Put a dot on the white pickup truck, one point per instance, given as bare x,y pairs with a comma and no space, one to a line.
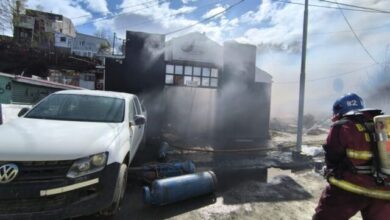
68,155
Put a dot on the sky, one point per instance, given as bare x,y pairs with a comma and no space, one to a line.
336,62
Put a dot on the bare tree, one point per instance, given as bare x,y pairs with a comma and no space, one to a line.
103,33
10,11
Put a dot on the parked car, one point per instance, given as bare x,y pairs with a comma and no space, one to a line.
68,155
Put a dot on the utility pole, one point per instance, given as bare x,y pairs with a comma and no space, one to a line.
386,64
302,79
113,44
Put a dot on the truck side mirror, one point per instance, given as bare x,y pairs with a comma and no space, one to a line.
139,120
23,111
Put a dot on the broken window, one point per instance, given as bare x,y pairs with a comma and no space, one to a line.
214,82
168,79
187,75
196,81
214,72
205,81
179,80
188,80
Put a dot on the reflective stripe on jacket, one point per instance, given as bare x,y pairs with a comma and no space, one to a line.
369,192
348,152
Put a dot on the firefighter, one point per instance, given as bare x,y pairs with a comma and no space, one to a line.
350,160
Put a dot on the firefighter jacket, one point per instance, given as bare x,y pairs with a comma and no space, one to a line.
349,154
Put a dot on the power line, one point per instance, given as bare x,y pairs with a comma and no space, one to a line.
356,36
355,6
206,19
347,31
180,13
330,76
330,7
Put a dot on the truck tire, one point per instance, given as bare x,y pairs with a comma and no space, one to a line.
119,193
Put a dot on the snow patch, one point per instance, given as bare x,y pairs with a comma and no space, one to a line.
312,150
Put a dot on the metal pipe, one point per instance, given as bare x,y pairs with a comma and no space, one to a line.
113,44
302,79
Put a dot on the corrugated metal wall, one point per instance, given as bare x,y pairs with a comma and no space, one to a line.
5,90
29,94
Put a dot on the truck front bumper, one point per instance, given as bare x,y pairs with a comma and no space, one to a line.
59,199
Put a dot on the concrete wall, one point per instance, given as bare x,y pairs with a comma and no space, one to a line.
86,45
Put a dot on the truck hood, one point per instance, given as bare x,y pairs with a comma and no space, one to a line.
27,139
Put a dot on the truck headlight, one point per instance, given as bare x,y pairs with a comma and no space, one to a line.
88,165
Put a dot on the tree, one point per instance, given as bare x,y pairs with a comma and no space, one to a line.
104,48
10,11
103,33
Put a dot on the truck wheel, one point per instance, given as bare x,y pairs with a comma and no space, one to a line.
119,193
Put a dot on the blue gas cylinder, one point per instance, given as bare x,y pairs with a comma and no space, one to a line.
163,170
175,169
170,190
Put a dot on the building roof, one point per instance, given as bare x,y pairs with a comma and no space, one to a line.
262,76
39,82
32,12
194,46
92,36
194,35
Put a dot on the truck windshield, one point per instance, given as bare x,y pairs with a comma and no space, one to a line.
72,107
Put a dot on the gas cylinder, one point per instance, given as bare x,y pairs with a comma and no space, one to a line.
163,170
382,130
151,172
170,190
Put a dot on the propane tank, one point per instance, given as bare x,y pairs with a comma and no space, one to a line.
170,190
382,130
163,170
151,172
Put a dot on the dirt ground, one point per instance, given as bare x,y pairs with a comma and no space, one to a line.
285,196
292,196
247,188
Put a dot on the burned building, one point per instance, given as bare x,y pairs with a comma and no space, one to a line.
195,87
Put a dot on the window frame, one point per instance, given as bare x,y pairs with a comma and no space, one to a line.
203,75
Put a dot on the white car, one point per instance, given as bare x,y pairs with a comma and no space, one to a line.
68,155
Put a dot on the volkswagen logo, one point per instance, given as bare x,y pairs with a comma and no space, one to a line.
8,172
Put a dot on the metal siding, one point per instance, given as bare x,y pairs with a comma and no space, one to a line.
5,90
1,115
29,94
